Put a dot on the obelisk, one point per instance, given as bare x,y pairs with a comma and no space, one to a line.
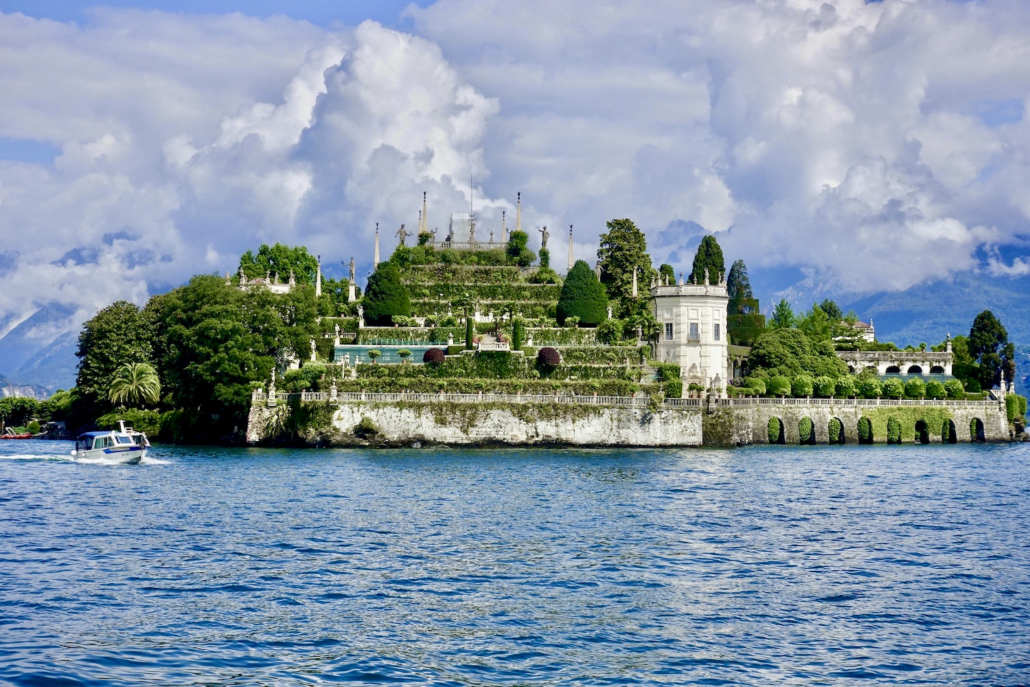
375,256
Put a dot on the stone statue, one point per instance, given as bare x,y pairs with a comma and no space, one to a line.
403,235
313,350
544,235
361,314
293,279
609,312
706,276
352,269
276,278
271,387
597,270
491,236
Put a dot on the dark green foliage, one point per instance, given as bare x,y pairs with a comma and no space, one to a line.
1015,406
548,357
832,310
433,356
544,275
666,272
119,334
893,430
738,286
755,384
948,433
778,386
783,316
386,296
518,250
518,334
624,247
744,322
935,390
801,386
17,411
280,259
825,386
954,389
469,333
545,259
146,421
836,431
217,339
845,387
674,389
869,387
365,429
610,332
806,431
865,431
788,352
893,388
708,256
582,296
775,431
987,339
914,388
922,432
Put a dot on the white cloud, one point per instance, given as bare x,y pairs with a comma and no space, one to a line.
841,137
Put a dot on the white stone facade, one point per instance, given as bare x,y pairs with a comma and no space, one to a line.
692,323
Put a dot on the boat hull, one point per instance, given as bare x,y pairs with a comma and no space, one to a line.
123,455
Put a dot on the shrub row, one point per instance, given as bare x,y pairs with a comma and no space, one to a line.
804,386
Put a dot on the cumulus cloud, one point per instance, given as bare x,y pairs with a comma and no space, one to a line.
870,145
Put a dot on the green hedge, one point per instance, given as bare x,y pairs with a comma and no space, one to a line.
448,292
603,355
806,430
836,430
461,275
563,337
461,385
894,430
1015,406
146,421
500,366
775,430
525,308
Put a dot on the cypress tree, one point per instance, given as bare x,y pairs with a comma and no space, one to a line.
386,296
469,332
737,283
709,255
582,296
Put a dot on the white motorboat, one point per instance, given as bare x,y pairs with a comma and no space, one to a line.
125,446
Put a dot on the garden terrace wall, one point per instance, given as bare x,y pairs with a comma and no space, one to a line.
447,292
463,274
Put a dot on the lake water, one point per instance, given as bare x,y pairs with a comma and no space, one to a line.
759,566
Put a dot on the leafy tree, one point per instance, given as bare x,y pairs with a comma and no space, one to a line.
135,384
935,390
548,357
433,356
280,259
893,430
801,386
373,354
869,387
987,338
845,387
582,296
960,350
783,316
832,310
817,325
825,386
609,332
518,249
404,354
954,389
624,247
708,256
806,430
470,332
545,259
518,334
217,339
778,386
117,335
756,384
788,352
667,272
893,388
914,388
775,431
737,283
386,296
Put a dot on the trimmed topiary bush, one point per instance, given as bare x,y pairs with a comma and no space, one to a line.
801,386
385,296
756,385
914,388
518,334
825,387
935,390
893,388
845,387
433,356
836,431
778,386
582,296
865,431
893,430
775,430
548,357
954,389
870,387
806,430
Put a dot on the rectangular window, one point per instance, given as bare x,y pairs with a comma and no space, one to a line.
716,332
694,335
668,331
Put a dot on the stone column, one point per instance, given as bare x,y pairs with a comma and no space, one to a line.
318,278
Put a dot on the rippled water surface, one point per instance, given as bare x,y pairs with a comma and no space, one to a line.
753,566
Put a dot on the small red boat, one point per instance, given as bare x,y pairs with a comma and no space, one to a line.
9,434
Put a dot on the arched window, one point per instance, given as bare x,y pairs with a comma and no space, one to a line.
915,370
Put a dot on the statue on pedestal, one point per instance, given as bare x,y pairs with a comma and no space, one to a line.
403,235
352,270
313,350
544,235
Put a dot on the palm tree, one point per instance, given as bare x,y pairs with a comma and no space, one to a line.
135,384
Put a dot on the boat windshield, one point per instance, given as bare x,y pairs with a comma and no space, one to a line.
124,440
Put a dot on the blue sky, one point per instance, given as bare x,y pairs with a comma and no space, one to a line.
855,147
